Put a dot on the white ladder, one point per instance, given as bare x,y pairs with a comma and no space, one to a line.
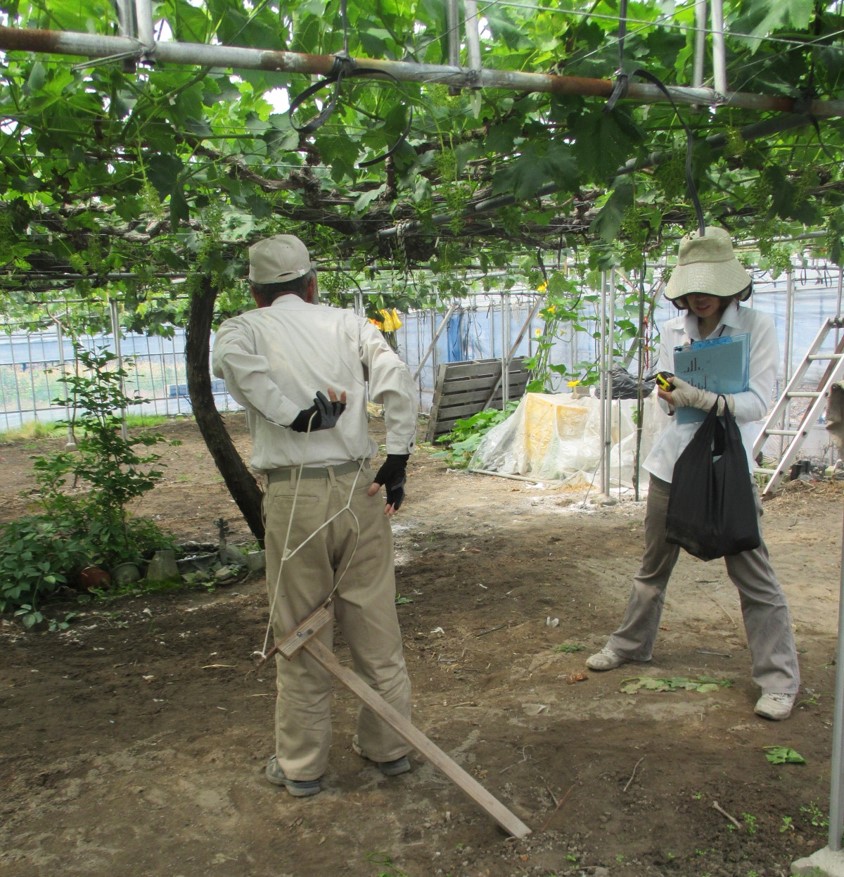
780,411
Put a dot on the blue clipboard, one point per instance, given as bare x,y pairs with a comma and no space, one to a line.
721,365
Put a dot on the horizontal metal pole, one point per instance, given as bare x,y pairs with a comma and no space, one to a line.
199,54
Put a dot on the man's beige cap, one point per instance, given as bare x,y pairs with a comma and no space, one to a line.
278,259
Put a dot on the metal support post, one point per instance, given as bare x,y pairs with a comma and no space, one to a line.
433,344
604,383
118,350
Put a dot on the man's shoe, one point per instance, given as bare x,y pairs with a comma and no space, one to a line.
389,768
775,706
297,788
606,659
395,767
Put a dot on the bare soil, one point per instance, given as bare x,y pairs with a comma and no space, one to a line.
134,741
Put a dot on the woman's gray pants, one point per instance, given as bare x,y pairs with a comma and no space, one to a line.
767,619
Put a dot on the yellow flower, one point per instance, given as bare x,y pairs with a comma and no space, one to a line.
392,322
573,383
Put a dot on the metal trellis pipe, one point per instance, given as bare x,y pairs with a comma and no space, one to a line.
453,33
143,21
200,54
603,383
836,793
433,344
473,42
114,315
505,350
700,43
719,52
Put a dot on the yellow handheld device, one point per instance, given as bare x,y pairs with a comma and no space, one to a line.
663,379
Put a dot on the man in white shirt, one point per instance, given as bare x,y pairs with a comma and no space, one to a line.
301,371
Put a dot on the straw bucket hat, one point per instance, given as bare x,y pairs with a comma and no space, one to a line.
706,263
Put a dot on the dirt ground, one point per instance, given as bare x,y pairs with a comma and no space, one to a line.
134,741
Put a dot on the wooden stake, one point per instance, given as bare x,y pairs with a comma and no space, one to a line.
304,638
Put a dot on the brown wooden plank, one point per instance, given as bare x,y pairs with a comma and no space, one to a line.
483,392
465,385
473,368
456,412
475,397
298,637
487,373
437,401
425,747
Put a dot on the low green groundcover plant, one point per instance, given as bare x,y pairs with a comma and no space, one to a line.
467,432
36,559
674,683
783,755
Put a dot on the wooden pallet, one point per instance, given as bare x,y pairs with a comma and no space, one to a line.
465,388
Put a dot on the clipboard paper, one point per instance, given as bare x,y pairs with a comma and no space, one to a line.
721,365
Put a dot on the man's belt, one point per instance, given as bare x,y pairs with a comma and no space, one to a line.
285,473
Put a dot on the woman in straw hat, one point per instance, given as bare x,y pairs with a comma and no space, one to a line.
710,284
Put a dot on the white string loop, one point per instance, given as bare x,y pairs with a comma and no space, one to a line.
286,553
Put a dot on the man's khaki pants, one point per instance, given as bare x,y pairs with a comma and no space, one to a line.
327,543
767,620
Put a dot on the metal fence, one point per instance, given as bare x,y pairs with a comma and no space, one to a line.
491,326
32,363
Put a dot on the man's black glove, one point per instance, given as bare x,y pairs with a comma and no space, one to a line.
392,476
323,414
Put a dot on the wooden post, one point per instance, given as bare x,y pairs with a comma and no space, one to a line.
303,638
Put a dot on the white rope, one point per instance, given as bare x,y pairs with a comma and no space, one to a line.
286,553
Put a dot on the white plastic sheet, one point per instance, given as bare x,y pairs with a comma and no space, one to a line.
558,438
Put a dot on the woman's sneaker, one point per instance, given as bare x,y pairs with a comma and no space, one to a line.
606,659
775,706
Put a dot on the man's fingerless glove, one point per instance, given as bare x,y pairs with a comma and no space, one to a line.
392,475
323,414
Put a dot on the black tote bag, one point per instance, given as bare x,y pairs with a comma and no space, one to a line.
711,506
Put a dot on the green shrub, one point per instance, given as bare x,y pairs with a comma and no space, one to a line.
40,554
83,494
37,557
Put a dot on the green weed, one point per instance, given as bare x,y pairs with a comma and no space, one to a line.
384,862
467,432
815,815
